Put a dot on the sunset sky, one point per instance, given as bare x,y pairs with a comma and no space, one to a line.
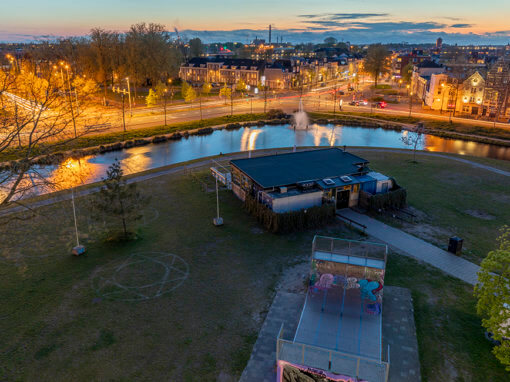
358,21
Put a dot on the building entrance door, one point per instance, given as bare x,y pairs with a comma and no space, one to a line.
342,199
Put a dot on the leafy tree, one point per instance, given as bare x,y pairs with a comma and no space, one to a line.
190,95
196,47
85,87
160,90
206,88
407,73
119,200
184,89
151,99
226,92
241,86
493,293
376,61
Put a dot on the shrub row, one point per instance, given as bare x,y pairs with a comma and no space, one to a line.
394,199
294,221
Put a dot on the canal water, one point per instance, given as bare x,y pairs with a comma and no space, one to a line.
93,168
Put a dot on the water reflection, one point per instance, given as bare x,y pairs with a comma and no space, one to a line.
73,172
91,169
249,139
326,135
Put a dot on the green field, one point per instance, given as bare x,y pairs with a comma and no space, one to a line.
61,320
450,198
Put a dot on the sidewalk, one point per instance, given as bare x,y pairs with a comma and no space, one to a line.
417,248
285,310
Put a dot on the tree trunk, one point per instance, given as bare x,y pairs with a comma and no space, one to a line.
124,226
105,91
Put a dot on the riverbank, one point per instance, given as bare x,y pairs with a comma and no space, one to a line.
103,143
455,130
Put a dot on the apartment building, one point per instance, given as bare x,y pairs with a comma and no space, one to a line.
496,99
222,70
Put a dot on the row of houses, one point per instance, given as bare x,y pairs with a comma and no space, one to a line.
476,94
275,74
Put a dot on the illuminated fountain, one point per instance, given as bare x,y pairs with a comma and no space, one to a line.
300,118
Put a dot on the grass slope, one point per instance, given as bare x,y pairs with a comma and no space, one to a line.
55,328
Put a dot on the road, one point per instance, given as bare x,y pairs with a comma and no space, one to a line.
318,99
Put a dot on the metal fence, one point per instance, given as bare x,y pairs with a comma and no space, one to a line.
364,249
352,365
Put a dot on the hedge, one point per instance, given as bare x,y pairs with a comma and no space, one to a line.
394,199
313,217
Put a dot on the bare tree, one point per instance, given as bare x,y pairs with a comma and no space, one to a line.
413,138
38,117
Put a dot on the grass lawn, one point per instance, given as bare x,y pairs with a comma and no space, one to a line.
55,328
451,198
451,341
60,321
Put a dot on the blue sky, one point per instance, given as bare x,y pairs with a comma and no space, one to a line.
357,21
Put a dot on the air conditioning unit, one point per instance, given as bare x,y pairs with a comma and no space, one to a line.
328,182
346,179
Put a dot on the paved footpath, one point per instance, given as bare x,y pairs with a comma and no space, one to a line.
286,309
417,248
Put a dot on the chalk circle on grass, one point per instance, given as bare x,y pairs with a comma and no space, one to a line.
141,276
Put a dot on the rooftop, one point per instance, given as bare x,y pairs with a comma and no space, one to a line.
429,64
286,169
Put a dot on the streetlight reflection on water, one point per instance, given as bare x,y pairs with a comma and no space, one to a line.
88,169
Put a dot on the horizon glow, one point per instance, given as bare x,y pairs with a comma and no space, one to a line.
368,20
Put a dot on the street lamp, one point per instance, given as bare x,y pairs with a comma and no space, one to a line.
171,90
442,102
122,93
410,102
66,66
129,97
164,102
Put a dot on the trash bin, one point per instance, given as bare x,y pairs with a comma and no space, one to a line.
455,245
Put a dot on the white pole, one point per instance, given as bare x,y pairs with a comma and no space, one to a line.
217,199
74,214
129,95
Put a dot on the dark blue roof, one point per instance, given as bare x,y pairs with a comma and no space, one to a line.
288,169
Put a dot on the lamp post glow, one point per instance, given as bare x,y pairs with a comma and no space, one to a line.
442,102
164,102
